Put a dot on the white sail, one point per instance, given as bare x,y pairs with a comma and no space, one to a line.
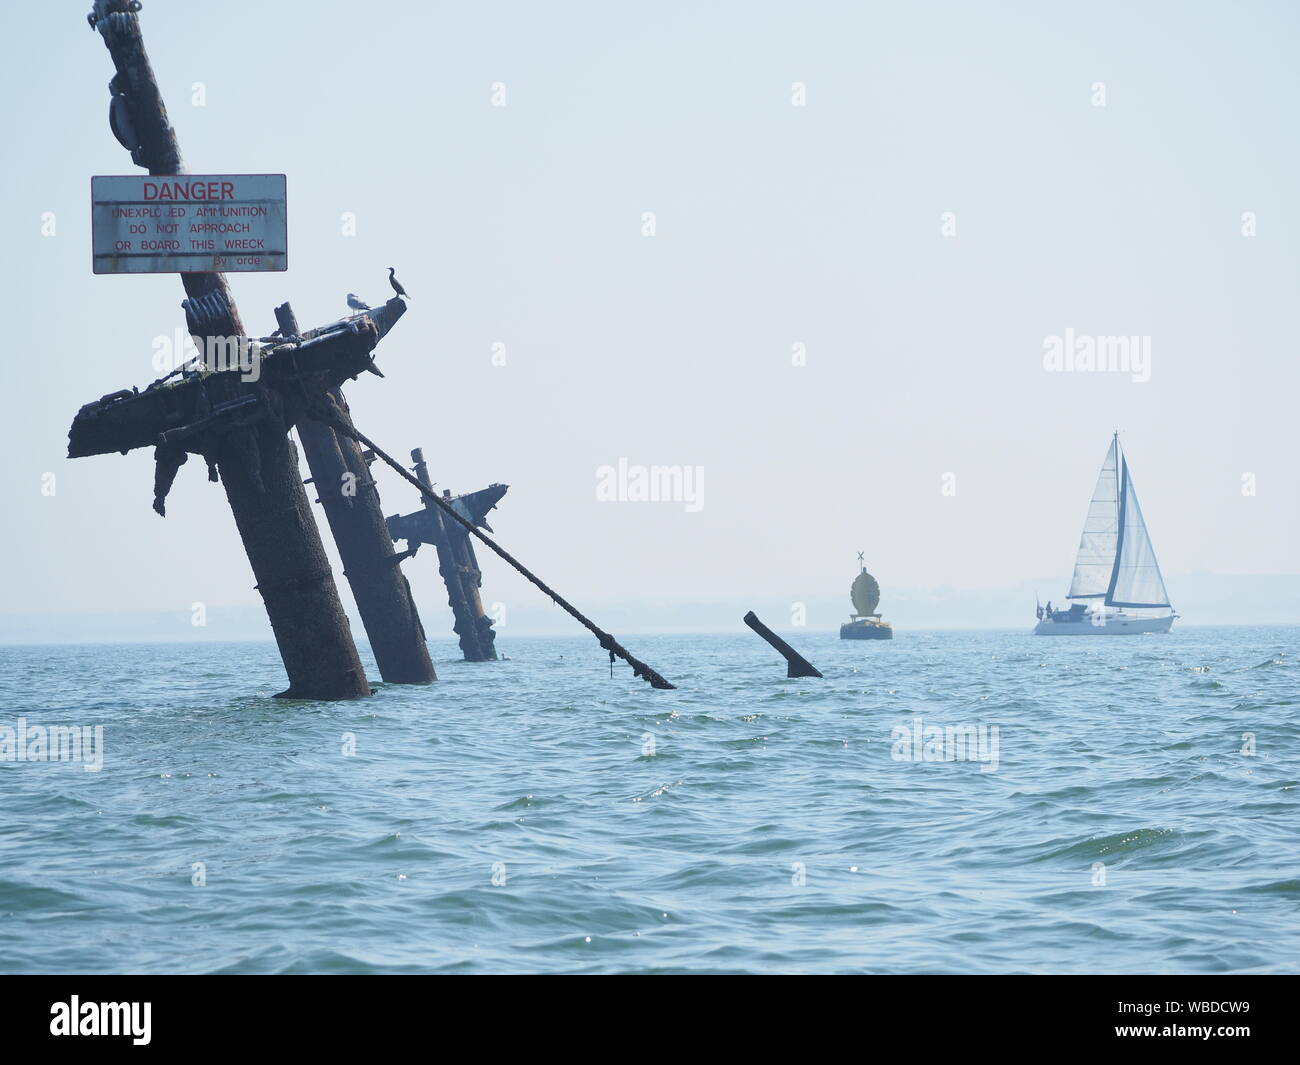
1095,563
1136,580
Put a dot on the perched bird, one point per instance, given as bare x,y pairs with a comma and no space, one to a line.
397,285
356,304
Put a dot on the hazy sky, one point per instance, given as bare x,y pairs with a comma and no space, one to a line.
776,225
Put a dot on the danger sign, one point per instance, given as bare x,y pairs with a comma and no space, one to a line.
189,223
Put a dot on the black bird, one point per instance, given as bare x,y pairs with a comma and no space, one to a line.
397,285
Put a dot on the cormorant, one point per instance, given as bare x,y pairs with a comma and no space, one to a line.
397,285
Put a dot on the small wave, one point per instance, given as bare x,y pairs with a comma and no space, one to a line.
1117,844
1287,888
654,793
524,802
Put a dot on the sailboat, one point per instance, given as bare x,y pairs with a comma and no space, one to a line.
1115,572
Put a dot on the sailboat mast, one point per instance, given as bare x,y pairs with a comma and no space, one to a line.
1121,475
1122,496
1135,579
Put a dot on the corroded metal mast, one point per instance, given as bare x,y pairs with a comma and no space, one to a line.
457,563
239,426
347,492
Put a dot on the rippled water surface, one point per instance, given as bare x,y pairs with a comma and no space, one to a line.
745,822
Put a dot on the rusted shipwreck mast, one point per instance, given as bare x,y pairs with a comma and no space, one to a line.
457,563
237,419
239,425
239,428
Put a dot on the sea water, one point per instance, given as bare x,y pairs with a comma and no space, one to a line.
945,802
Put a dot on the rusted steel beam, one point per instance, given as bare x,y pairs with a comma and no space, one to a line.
350,499
796,664
240,427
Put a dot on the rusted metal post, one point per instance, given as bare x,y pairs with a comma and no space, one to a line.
457,563
288,559
350,499
454,565
471,580
796,664
254,456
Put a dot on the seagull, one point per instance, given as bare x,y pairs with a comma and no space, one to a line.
397,285
356,304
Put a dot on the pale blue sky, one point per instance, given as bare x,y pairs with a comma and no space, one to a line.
776,225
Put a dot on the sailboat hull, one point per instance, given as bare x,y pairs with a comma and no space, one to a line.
1115,625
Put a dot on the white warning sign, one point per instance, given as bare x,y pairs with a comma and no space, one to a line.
189,223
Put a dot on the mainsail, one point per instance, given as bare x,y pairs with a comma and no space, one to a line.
1116,562
1095,562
